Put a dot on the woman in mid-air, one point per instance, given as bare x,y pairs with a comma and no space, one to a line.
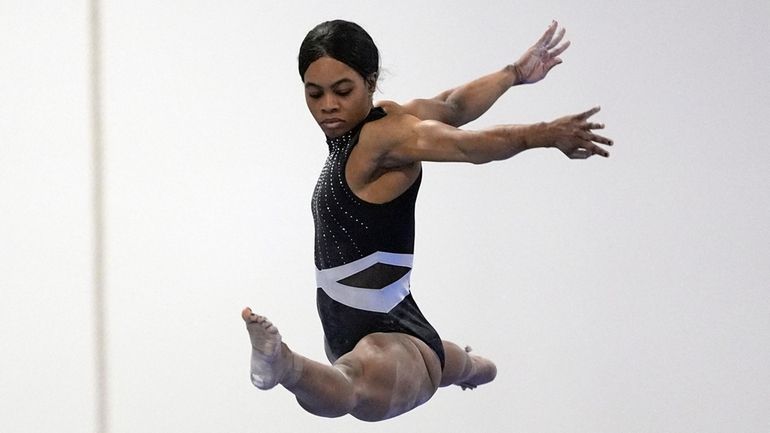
386,358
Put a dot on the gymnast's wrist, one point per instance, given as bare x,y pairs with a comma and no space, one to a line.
516,76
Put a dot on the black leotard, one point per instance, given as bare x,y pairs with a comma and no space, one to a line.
363,257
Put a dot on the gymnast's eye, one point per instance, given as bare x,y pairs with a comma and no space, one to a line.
314,95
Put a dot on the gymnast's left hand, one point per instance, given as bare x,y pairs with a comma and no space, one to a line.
535,63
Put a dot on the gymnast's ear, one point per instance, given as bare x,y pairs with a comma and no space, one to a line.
371,82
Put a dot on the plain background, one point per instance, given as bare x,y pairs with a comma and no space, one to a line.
621,295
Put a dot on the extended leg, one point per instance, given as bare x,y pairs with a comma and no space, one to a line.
384,376
321,389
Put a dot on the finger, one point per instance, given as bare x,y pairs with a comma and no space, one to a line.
586,114
548,34
591,125
557,39
560,49
596,150
603,140
594,138
550,64
579,154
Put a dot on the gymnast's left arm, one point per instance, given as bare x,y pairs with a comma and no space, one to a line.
466,103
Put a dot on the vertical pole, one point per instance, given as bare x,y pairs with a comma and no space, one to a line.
100,337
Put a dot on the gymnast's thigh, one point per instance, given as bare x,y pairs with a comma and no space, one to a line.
392,374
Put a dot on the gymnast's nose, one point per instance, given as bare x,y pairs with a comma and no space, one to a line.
329,103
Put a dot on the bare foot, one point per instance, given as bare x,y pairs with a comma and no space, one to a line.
270,358
483,371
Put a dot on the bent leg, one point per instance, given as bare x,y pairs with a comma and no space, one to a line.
385,375
393,373
465,370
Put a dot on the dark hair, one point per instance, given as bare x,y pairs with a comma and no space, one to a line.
344,41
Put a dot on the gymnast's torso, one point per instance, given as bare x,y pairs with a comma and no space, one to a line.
363,257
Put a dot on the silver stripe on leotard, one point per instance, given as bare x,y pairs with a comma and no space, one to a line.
378,300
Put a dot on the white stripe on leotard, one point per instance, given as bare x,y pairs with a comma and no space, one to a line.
377,300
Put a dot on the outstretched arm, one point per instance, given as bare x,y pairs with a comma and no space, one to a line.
465,103
430,140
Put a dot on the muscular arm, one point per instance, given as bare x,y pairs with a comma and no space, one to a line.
430,140
465,103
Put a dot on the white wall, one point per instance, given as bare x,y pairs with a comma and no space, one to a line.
627,294
46,337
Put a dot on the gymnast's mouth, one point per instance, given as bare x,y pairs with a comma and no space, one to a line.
332,123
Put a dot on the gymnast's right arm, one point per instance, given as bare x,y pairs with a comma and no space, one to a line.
465,103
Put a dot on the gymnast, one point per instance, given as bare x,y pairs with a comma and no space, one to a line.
386,358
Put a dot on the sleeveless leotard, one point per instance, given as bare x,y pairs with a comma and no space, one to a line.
363,257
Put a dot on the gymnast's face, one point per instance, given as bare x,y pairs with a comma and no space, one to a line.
337,96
